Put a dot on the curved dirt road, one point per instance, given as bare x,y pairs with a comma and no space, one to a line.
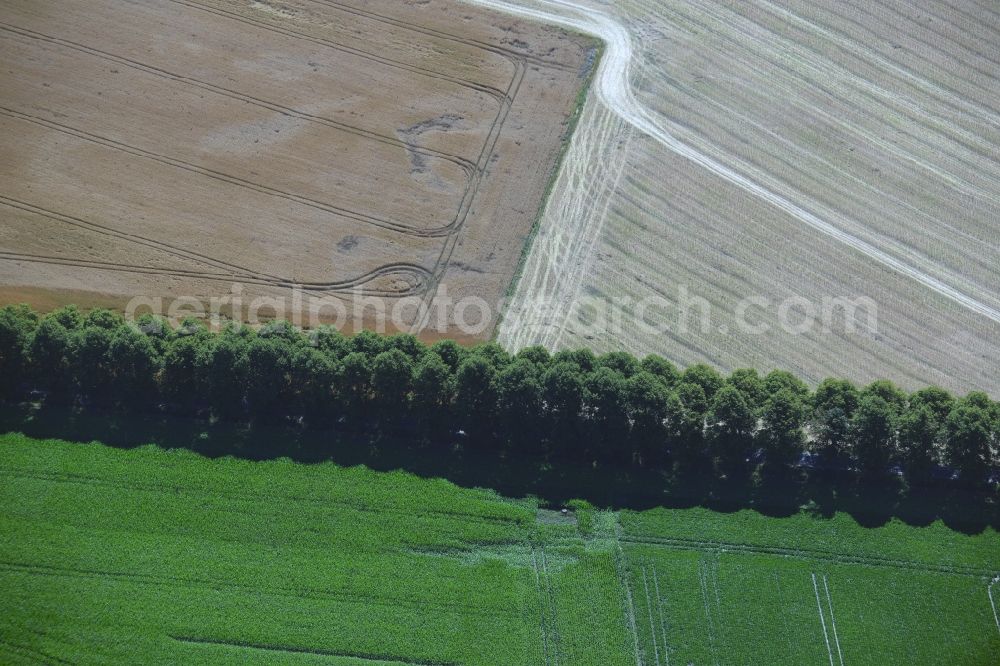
614,89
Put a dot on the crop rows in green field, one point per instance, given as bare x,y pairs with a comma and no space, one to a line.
153,556
718,607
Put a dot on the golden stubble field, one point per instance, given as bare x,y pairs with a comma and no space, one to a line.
172,148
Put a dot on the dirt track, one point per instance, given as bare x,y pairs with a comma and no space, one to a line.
169,148
797,151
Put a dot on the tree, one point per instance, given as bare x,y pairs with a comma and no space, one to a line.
538,355
312,375
832,428
157,331
267,385
836,394
969,441
583,359
134,366
690,427
279,329
704,376
621,362
920,438
873,434
781,434
330,342
563,393
493,354
476,397
408,344
223,367
17,325
749,383
354,384
646,399
101,318
731,425
934,398
182,380
449,352
662,369
776,380
368,343
519,404
68,316
392,372
833,405
894,397
606,391
91,366
433,392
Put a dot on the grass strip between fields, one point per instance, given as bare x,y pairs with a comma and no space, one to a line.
574,119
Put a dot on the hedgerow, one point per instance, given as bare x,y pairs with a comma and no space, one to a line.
572,405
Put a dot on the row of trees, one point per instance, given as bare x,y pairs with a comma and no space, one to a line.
571,405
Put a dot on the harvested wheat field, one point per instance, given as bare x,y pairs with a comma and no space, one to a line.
173,147
791,153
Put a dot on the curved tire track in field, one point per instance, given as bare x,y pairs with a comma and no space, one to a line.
415,276
614,89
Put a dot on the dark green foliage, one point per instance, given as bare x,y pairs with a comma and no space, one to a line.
690,423
836,394
312,374
662,369
408,344
971,436
568,406
68,316
50,353
781,435
777,380
493,354
476,395
731,426
584,359
17,323
355,383
621,362
646,398
330,342
224,363
706,377
91,366
433,393
135,365
392,372
182,382
267,357
100,318
921,433
873,432
563,393
519,403
368,343
538,355
606,390
748,381
449,352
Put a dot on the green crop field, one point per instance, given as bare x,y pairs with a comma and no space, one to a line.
154,556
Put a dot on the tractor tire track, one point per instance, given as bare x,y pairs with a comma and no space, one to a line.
614,89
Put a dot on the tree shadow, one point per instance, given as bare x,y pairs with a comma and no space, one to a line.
772,492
